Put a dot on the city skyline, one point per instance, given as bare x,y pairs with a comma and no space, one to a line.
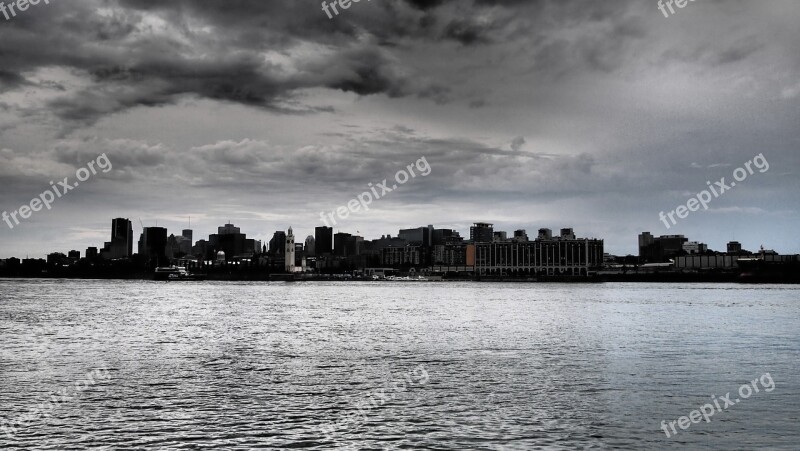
596,116
266,239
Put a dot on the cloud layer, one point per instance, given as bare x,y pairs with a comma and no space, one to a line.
596,115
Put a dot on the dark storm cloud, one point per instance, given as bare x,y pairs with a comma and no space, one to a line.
425,4
10,80
466,33
143,53
146,54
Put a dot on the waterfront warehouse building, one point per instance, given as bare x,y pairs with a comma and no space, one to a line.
557,256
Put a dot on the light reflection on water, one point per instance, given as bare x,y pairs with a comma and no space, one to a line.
511,366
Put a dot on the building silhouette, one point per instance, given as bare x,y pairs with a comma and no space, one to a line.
309,247
565,255
323,240
289,250
481,232
660,249
230,240
277,245
187,242
445,236
421,235
153,245
346,245
121,244
734,248
91,253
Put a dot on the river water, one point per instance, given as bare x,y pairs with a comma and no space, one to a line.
360,365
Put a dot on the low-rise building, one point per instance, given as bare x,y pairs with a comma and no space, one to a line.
551,257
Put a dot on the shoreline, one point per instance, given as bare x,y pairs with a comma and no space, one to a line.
636,278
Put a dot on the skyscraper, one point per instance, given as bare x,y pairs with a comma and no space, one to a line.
323,241
310,246
187,242
121,244
153,244
277,245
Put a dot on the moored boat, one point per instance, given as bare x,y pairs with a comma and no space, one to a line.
176,273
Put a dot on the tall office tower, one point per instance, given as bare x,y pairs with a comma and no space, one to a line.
323,240
481,232
185,242
735,248
277,245
520,235
153,244
545,234
310,247
289,251
121,245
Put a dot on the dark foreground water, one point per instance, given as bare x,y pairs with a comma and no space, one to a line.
204,365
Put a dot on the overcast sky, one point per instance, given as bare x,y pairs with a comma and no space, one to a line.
595,115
